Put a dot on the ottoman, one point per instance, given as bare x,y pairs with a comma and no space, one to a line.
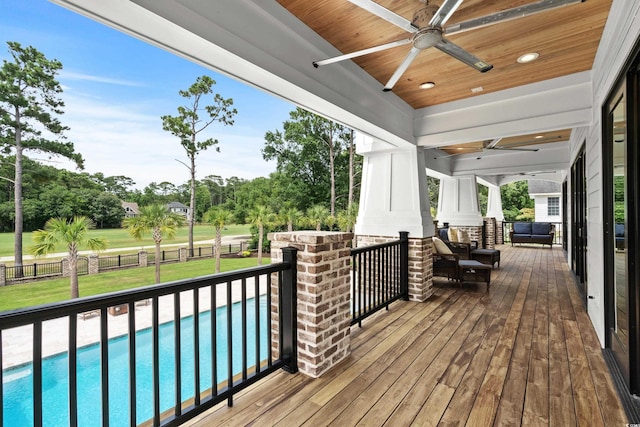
475,271
486,256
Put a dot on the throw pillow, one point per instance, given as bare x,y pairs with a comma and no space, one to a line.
463,236
453,234
440,247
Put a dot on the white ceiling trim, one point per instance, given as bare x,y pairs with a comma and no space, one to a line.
560,103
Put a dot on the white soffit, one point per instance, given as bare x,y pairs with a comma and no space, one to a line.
564,102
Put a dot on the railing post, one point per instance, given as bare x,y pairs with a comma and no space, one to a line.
3,274
404,264
289,312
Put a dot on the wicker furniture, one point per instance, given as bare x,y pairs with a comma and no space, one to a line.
472,270
532,232
463,250
486,256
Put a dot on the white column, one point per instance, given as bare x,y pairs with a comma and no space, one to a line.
494,203
458,201
394,195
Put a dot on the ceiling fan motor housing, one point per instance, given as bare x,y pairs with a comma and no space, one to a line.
427,37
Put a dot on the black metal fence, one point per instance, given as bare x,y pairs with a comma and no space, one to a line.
379,276
118,261
29,271
165,256
209,251
208,385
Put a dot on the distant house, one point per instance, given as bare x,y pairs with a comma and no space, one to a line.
179,208
130,209
546,195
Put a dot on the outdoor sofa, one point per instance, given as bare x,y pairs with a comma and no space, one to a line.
532,232
619,230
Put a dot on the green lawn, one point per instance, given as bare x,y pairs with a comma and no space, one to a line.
48,291
120,238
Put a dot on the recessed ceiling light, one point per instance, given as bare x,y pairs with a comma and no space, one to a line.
427,85
539,136
528,57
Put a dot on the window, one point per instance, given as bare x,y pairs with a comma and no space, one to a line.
553,206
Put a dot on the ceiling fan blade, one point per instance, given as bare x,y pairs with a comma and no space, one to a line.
494,142
507,15
515,149
462,55
401,69
385,14
444,13
464,151
361,52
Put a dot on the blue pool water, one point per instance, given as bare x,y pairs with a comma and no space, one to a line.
18,382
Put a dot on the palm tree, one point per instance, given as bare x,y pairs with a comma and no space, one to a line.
259,216
73,234
158,220
348,217
290,216
218,217
317,215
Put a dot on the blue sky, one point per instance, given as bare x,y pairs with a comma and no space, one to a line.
117,87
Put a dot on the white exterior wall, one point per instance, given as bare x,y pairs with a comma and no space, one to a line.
541,208
619,37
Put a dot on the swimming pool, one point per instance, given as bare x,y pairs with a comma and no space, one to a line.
18,382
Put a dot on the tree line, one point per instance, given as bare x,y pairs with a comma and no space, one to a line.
316,165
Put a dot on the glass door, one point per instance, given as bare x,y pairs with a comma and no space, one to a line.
618,244
579,222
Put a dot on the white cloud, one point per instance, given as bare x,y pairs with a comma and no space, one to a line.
128,139
70,75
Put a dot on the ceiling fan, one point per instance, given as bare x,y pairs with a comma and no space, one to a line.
490,145
427,30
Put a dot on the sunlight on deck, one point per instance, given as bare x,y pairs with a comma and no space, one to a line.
522,353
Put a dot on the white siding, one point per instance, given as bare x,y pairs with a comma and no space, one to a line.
620,35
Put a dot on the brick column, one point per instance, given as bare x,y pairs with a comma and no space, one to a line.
499,233
420,263
491,233
94,264
323,288
142,258
65,268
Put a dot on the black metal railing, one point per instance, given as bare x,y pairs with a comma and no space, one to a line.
29,271
379,276
558,236
192,389
118,261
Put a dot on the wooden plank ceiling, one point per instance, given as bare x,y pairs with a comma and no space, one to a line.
565,38
519,141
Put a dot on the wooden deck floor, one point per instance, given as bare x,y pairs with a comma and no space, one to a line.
523,353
